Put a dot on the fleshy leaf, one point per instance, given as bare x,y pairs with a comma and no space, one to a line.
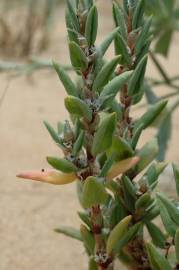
170,206
107,127
91,26
117,233
88,239
61,164
158,238
78,57
115,85
176,174
94,193
53,133
152,114
78,107
157,260
137,78
65,79
120,148
105,74
69,231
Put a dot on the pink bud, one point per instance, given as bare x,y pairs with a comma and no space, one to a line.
49,176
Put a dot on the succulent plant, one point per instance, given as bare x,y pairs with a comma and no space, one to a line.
116,179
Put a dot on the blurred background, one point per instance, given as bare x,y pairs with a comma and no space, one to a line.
31,34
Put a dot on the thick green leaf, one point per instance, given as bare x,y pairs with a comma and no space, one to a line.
78,143
73,16
153,173
152,114
68,134
78,58
72,33
143,201
138,97
53,133
117,234
107,166
117,212
144,35
115,85
151,214
136,136
170,206
137,78
176,174
79,189
120,20
126,6
101,143
105,74
78,127
128,236
120,148
129,200
168,223
145,50
121,48
117,108
94,193
138,14
107,42
85,217
129,186
157,260
88,239
69,231
156,234
78,107
61,164
65,79
91,26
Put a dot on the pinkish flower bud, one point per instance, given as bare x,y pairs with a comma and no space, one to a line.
49,176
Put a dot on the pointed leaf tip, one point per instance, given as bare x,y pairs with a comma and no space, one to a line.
117,233
91,26
101,143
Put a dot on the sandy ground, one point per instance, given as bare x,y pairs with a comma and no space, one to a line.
29,211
